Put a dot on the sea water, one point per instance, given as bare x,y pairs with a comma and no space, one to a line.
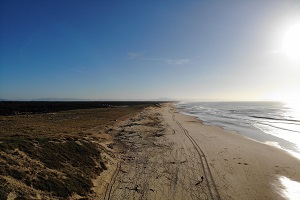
273,123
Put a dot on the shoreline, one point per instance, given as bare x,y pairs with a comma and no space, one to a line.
252,134
243,167
171,156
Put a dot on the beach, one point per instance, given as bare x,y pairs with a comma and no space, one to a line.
196,161
242,168
151,151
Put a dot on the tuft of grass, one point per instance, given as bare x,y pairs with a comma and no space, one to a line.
4,190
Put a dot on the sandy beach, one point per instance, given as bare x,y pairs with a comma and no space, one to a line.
189,160
242,168
148,151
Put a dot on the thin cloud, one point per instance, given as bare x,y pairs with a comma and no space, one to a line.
177,61
81,71
138,56
133,55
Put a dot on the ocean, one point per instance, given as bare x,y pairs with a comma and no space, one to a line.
273,123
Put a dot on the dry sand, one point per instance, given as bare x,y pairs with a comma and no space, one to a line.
168,155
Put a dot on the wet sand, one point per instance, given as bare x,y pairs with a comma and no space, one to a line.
168,155
241,168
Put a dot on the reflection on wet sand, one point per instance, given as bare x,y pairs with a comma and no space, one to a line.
290,189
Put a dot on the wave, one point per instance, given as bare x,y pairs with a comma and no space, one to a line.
280,128
261,121
271,118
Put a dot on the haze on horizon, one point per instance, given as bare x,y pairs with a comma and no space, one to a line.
199,50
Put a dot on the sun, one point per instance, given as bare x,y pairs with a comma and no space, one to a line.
291,43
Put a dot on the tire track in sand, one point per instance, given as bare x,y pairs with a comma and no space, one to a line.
111,183
213,191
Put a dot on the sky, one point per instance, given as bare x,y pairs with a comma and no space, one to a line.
138,49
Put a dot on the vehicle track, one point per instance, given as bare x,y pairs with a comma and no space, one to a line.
112,181
210,183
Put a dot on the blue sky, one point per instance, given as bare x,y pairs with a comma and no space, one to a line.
207,50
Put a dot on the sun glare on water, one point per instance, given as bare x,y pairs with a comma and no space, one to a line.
289,96
291,43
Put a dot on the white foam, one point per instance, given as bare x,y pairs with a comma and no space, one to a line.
290,189
273,144
276,144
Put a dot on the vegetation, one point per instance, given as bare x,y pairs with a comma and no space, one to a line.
58,167
50,154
